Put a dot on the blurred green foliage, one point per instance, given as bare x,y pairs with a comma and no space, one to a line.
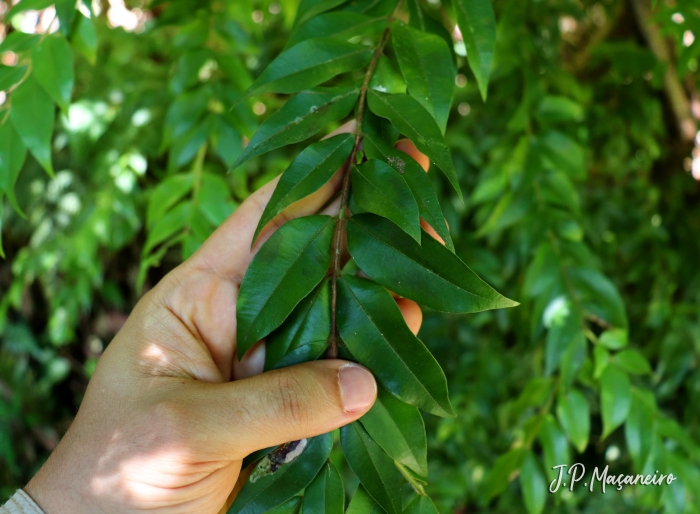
578,202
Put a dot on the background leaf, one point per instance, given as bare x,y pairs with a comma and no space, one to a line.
615,398
533,484
477,24
52,64
574,416
420,505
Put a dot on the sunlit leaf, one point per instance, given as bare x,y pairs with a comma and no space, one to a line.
52,64
13,152
477,24
341,25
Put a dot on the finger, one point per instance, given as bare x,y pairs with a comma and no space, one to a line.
228,252
411,313
252,363
407,146
238,418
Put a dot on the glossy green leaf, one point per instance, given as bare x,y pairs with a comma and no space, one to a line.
554,445
85,38
574,416
375,469
166,194
615,398
386,78
307,173
309,8
632,362
299,119
286,268
420,505
371,325
325,495
13,152
412,120
503,471
614,339
477,23
639,427
362,503
52,64
417,179
65,11
309,64
426,64
272,490
533,485
380,189
32,115
292,506
399,429
341,25
304,334
428,273
10,75
18,42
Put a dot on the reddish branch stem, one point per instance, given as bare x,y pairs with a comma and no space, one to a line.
339,231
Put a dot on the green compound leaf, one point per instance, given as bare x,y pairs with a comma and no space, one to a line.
371,325
615,398
32,115
309,64
399,429
421,505
477,22
53,68
311,169
271,490
362,503
417,179
286,268
341,25
574,416
299,119
426,64
412,120
292,506
380,189
375,469
304,334
429,273
325,495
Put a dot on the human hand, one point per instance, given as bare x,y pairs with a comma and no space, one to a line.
170,412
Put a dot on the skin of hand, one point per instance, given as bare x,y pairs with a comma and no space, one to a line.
170,412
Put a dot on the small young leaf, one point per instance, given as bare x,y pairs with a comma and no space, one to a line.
299,119
362,503
10,75
380,189
341,25
417,179
533,485
286,268
53,68
426,64
304,334
614,339
273,489
309,64
32,116
429,273
374,468
420,505
310,170
573,414
325,495
477,23
13,152
615,398
412,120
371,325
399,429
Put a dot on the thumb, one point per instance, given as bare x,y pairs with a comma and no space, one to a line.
238,418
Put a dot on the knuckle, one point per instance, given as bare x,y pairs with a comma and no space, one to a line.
291,399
